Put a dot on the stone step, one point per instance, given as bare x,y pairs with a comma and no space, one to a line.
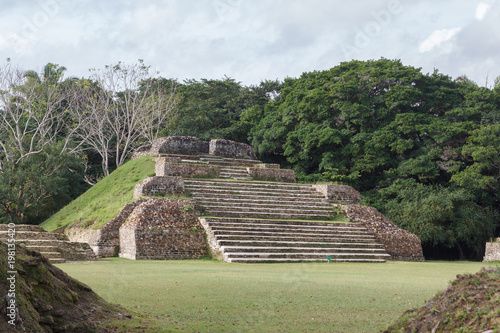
216,195
297,238
275,210
290,260
238,186
268,215
57,260
52,255
310,255
277,228
266,206
282,249
311,224
21,227
253,184
287,233
260,199
266,243
41,242
42,248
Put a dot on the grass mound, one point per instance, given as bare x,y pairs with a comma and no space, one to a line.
104,200
470,304
48,300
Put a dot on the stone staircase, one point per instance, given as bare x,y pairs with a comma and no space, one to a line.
56,247
273,222
37,239
265,241
259,199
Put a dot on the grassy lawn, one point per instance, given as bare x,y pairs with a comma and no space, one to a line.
212,296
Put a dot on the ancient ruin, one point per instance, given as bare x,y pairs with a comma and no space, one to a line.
239,209
492,251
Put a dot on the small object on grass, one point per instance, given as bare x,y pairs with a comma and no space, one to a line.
329,258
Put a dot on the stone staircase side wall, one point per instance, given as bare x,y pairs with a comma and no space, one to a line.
162,229
170,244
213,246
400,244
228,148
492,252
159,185
339,193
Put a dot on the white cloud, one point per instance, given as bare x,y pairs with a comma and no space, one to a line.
481,10
436,38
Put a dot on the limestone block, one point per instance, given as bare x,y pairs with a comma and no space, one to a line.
339,193
228,148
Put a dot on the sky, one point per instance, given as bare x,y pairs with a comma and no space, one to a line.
252,40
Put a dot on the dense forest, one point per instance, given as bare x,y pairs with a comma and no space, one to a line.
422,148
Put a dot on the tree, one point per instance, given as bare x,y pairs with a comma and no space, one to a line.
120,106
34,148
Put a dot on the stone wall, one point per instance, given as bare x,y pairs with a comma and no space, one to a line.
228,148
266,166
399,243
275,175
492,252
163,229
165,169
184,145
159,186
339,193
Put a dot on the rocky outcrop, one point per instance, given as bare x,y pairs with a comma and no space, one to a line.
163,229
400,244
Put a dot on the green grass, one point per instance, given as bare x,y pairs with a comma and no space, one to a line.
104,200
211,296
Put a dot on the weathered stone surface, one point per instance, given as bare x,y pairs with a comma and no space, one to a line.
228,148
400,244
165,169
185,145
492,252
275,175
266,166
159,186
339,193
163,229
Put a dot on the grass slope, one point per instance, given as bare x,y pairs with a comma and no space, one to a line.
104,200
212,296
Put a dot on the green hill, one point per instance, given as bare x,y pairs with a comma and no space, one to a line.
104,200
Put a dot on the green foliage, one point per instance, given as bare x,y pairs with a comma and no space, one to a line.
379,124
39,185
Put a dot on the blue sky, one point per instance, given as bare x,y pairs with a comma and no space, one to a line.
253,40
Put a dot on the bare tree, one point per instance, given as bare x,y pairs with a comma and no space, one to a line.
125,106
30,114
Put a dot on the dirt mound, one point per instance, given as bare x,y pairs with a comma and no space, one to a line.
48,300
470,304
